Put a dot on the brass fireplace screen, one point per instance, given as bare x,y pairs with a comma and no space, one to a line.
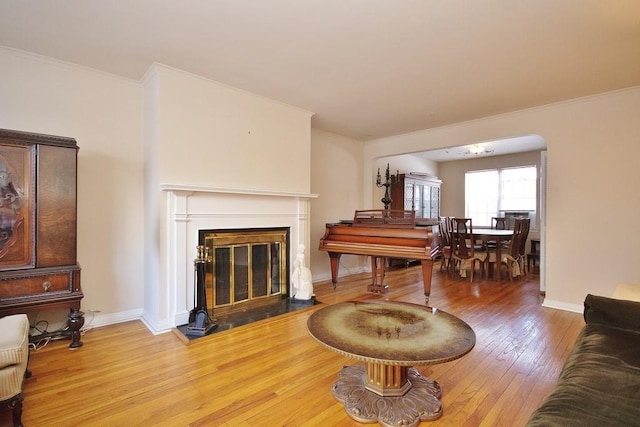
245,265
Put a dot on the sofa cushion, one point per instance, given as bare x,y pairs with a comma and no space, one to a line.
612,312
14,339
600,381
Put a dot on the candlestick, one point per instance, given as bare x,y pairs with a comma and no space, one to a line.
390,180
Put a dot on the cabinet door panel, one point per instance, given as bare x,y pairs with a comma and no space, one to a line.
417,192
16,207
56,206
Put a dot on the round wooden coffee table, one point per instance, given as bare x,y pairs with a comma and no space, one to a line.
391,338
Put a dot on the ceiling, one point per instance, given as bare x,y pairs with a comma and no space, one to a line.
366,68
516,144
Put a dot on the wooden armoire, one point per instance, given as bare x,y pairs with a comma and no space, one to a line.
420,193
38,227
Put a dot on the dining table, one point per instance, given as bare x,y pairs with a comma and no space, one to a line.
493,235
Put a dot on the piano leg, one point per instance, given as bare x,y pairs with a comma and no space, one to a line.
377,270
334,257
427,271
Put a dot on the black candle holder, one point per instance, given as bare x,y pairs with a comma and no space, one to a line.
390,180
200,324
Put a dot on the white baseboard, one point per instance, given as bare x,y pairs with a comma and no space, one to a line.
348,272
181,318
559,305
156,328
97,319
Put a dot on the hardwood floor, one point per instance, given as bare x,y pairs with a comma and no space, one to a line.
272,373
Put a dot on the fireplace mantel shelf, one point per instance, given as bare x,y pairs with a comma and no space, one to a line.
226,190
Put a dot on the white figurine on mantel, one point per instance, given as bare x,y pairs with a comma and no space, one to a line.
301,280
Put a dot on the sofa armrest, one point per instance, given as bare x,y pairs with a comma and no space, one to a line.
612,312
630,292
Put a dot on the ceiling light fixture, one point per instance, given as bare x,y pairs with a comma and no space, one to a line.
476,149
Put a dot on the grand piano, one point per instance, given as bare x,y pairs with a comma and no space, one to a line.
382,234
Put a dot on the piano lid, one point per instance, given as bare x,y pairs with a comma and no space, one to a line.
385,218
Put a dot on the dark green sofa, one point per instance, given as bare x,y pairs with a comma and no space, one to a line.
600,382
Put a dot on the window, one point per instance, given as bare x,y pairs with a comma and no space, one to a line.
490,193
481,196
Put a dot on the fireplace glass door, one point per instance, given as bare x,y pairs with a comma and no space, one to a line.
245,265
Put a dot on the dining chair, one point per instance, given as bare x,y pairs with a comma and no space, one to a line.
463,249
522,249
498,223
533,257
510,256
445,243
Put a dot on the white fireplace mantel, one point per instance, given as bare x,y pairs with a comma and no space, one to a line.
240,191
191,208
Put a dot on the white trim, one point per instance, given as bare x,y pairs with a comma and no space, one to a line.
47,60
322,277
155,327
543,221
421,134
156,66
559,305
228,190
100,320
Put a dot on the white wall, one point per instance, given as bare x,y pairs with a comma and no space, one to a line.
155,302
203,133
336,176
593,157
214,134
104,114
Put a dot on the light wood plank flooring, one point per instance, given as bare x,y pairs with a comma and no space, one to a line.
272,373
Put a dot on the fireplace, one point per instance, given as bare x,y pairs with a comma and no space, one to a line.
188,209
245,267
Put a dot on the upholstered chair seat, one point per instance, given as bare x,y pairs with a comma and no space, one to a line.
14,355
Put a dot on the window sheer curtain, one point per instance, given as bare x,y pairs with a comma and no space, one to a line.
488,192
481,196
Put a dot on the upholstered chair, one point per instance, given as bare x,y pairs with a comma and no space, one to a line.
511,257
464,251
445,242
14,355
